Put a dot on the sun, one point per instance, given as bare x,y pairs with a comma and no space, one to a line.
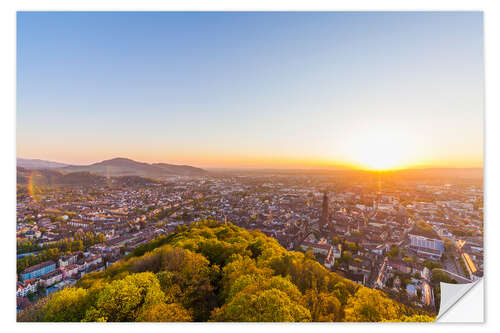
380,151
380,160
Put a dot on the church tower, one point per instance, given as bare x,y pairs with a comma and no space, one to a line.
324,212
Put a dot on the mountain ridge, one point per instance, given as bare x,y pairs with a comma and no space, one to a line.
118,166
35,163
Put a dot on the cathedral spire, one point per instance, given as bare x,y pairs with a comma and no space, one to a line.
325,211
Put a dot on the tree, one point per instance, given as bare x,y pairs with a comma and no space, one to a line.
101,238
370,305
351,246
263,306
122,300
309,254
439,276
393,252
162,312
413,319
347,256
70,304
323,306
431,264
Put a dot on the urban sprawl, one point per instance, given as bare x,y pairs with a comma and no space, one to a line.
403,238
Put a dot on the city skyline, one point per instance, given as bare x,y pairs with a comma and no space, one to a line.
261,90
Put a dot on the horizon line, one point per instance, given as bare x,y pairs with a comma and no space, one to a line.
271,168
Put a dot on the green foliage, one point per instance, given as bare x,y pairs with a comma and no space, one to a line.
30,260
257,299
431,264
123,300
25,245
323,306
413,319
464,267
217,272
351,246
80,242
346,256
69,304
440,276
393,252
141,249
162,312
370,306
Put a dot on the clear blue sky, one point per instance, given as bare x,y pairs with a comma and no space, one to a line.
251,89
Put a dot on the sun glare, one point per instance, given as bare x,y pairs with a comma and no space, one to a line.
380,160
380,151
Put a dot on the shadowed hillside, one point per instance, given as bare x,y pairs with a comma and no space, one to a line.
127,167
43,178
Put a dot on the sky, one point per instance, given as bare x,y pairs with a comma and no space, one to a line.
374,90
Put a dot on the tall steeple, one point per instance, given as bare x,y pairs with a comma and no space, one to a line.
325,211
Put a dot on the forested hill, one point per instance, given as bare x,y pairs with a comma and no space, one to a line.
218,272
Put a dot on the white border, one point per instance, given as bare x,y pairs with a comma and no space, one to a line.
7,200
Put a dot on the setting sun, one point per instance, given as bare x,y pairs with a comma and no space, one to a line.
380,149
380,161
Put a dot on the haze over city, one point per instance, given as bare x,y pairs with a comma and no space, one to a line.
260,90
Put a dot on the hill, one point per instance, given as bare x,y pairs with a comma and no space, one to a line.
38,164
46,177
50,177
127,167
217,272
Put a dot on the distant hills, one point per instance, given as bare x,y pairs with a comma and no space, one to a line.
117,167
53,177
38,164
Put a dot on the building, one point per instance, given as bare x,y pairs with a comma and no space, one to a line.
38,270
426,243
324,249
60,285
400,265
23,288
69,271
51,278
81,224
67,260
337,251
330,258
411,290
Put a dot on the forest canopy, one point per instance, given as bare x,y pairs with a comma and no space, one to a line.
213,271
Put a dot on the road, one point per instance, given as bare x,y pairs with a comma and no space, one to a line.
378,282
427,294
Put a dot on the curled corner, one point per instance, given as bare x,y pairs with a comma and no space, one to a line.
451,294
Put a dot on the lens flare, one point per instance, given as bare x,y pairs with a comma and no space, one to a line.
33,191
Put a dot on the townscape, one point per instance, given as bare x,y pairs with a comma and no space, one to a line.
403,235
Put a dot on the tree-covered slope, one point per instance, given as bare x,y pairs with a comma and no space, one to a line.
218,272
